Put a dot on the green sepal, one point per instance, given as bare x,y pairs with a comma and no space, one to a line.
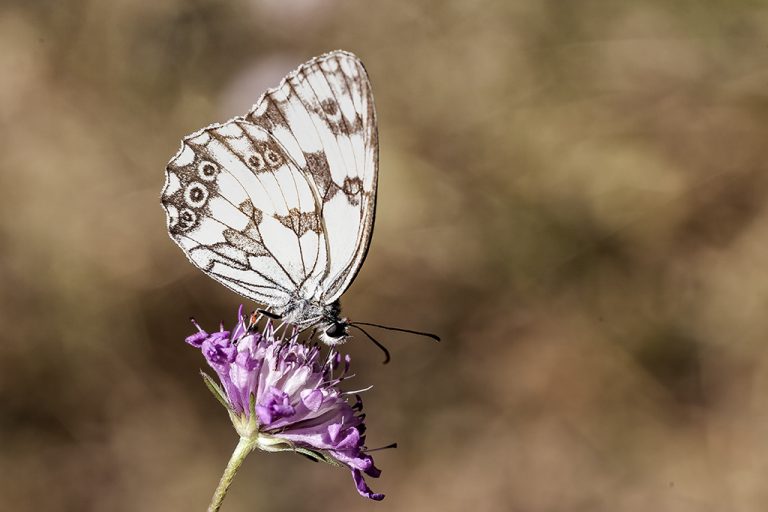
216,390
317,456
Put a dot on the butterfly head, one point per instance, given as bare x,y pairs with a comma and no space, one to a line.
334,331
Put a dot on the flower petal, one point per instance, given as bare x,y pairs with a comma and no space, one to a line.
196,340
333,431
274,407
312,399
363,488
351,439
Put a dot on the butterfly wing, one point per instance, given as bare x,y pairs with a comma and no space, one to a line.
323,115
245,214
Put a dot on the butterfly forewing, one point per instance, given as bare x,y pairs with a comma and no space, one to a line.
279,205
323,114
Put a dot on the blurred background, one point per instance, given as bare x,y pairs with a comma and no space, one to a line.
573,194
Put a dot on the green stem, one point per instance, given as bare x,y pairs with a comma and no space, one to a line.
243,448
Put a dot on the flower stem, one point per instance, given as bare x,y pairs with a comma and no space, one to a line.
243,448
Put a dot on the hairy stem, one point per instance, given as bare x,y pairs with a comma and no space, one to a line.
243,448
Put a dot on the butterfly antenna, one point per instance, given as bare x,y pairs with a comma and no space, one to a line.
419,333
375,342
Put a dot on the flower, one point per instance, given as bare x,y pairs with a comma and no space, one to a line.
282,396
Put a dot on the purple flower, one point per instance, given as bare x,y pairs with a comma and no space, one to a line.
283,395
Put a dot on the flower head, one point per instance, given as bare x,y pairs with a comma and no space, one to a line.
283,395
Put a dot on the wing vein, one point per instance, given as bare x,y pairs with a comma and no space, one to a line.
266,278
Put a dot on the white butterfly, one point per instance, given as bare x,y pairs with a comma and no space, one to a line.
278,205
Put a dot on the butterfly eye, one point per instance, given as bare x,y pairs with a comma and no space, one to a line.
195,195
336,330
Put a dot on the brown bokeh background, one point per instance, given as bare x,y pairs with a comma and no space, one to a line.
571,193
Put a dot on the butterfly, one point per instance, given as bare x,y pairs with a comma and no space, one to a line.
278,205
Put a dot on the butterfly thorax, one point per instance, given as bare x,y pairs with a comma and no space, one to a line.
331,328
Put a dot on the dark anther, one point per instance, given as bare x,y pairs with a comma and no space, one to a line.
388,447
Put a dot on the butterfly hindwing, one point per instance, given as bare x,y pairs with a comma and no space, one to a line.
245,214
323,115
